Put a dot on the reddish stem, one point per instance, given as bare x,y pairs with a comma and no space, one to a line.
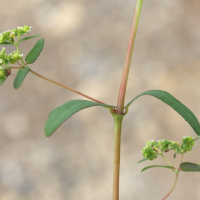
122,91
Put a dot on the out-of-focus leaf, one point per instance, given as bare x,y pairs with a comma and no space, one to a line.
190,167
28,38
151,166
146,158
2,79
6,43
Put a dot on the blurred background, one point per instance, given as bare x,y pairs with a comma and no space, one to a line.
85,48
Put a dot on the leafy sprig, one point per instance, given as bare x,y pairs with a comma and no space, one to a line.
153,149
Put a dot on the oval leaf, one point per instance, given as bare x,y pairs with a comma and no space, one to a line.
174,103
28,38
21,74
63,112
190,167
35,52
151,166
2,79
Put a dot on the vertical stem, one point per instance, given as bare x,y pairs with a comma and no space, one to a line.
176,172
122,91
116,162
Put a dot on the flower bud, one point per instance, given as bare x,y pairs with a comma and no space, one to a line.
26,29
175,145
2,73
12,35
15,56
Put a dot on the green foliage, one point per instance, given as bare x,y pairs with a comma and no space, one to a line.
12,58
21,74
19,31
149,152
152,166
35,52
8,37
4,58
4,73
63,112
28,38
59,115
189,167
4,69
6,43
2,79
188,143
179,107
154,148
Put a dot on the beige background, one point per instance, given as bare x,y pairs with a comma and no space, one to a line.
86,42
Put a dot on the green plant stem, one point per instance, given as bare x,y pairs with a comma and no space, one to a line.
167,160
181,157
176,172
122,91
116,162
47,79
16,67
23,62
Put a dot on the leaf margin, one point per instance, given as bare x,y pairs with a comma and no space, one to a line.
33,54
163,166
2,80
51,126
186,169
28,38
20,76
181,107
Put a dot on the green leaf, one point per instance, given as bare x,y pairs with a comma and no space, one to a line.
151,166
175,155
35,52
21,74
28,38
6,43
191,142
190,167
2,79
174,103
146,158
63,112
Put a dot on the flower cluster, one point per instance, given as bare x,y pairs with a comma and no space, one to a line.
154,148
4,58
11,58
9,36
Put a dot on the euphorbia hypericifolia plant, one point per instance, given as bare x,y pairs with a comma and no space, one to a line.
152,150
